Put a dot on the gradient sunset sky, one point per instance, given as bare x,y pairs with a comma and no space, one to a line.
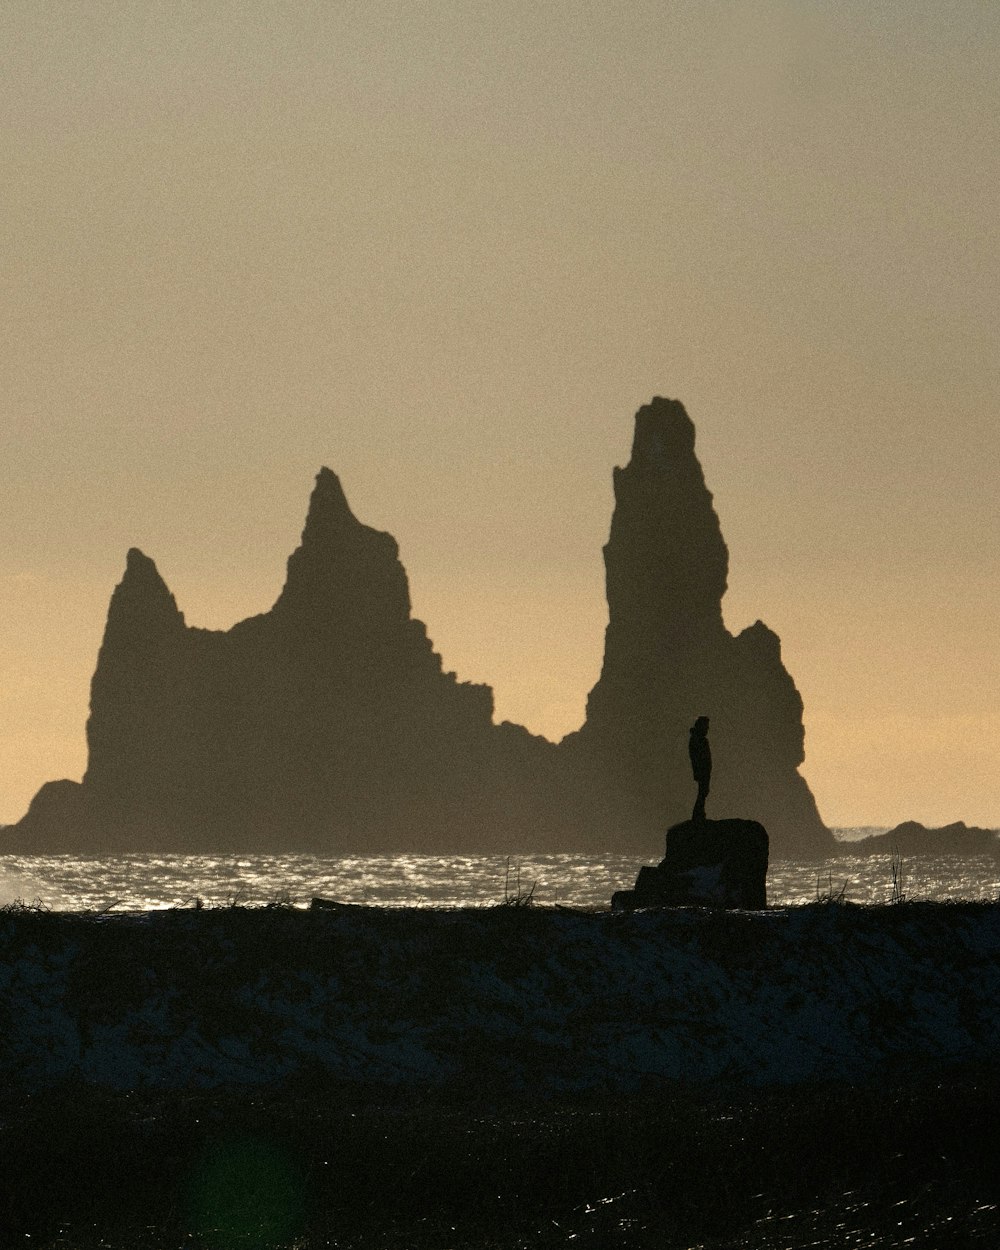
448,249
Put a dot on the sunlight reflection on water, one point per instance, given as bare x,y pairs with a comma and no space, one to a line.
146,882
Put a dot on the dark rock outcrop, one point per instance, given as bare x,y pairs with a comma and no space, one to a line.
913,838
669,658
710,863
329,723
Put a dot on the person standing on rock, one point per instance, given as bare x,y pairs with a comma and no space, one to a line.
701,765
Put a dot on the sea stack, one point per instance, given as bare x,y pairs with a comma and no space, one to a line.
328,723
668,659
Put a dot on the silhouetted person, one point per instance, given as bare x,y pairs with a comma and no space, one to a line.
701,764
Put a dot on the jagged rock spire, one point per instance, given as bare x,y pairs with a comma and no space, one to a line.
135,677
329,512
666,560
328,722
343,572
142,609
669,658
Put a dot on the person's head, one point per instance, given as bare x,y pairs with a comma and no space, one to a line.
700,727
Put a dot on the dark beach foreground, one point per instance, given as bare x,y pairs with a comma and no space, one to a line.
304,1166
822,1076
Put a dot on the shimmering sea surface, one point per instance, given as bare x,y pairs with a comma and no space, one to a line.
142,882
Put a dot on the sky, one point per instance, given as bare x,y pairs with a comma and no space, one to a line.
448,249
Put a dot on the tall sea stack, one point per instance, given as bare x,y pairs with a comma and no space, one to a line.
328,723
668,659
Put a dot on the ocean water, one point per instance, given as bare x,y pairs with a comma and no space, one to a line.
144,882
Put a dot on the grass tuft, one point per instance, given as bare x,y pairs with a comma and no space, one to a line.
896,868
830,896
19,905
516,897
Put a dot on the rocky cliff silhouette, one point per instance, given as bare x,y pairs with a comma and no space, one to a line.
668,659
329,723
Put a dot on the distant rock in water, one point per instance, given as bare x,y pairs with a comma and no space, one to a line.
912,838
329,723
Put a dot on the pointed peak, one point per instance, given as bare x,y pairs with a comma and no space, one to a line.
328,506
328,491
143,592
138,563
327,477
341,561
664,433
141,572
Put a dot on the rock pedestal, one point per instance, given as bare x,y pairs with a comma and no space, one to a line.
710,863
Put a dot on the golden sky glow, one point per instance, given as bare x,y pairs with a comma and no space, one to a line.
448,248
